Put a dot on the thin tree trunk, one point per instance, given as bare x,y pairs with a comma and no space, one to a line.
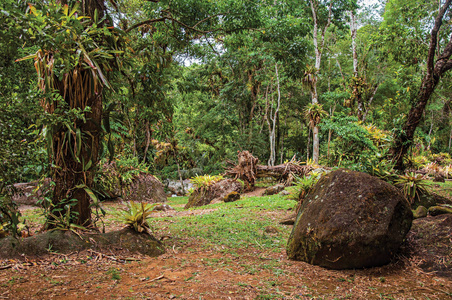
450,139
318,58
148,140
282,140
370,101
309,144
430,134
342,74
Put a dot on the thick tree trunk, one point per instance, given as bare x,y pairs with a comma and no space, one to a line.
75,152
73,173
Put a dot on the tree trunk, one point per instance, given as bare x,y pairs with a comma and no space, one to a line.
148,140
74,173
75,151
436,67
318,58
248,170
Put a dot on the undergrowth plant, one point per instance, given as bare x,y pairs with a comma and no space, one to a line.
304,184
412,185
205,180
10,223
136,215
64,217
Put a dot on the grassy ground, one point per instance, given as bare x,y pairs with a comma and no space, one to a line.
220,251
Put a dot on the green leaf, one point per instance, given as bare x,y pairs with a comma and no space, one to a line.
91,195
74,9
78,136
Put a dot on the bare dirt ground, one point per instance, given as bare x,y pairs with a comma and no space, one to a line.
191,270
187,271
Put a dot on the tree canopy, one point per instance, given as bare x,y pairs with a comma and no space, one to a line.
177,87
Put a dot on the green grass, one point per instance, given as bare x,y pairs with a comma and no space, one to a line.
232,224
33,216
235,224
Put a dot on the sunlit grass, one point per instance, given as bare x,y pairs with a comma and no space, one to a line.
236,224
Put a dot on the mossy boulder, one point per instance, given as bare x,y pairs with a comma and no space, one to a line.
426,198
215,191
273,190
145,188
29,193
350,220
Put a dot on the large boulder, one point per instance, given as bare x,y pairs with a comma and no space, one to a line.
350,220
145,188
216,191
29,193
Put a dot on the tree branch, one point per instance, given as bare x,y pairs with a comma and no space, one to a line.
145,23
434,38
169,17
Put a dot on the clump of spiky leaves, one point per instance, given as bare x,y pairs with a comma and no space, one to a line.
205,180
383,169
314,113
412,185
305,183
136,215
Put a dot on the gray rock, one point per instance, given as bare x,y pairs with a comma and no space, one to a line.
273,190
145,188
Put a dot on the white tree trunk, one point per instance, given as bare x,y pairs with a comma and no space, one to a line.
273,118
353,29
318,59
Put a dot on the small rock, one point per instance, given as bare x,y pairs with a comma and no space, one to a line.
439,178
420,212
439,210
271,230
274,189
163,207
290,220
284,193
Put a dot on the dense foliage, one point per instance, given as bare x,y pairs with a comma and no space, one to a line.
183,85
